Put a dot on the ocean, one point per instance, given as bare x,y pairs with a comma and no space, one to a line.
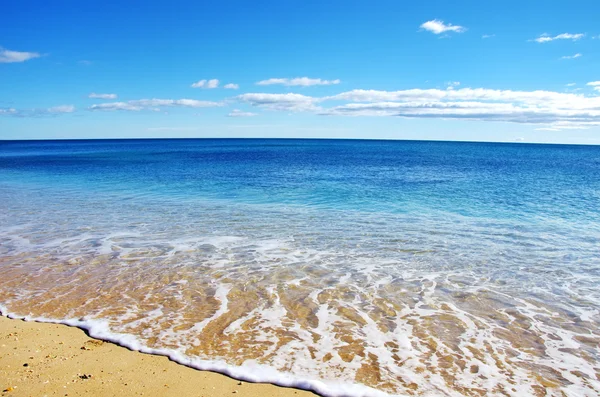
346,267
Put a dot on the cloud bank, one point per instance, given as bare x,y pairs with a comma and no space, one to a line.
548,109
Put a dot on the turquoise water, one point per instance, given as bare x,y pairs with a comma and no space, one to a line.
345,267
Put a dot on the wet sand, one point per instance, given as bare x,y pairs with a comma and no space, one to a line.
39,359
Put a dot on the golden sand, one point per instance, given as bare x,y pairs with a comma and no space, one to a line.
38,359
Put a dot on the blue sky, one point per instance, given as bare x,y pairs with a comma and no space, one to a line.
462,70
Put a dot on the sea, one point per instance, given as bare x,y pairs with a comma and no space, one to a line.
344,267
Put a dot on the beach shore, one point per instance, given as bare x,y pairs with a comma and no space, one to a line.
40,359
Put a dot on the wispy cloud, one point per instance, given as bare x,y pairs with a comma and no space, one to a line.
231,86
286,102
112,106
571,84
93,95
61,109
545,38
190,103
85,62
578,55
437,26
38,112
452,84
298,81
239,113
488,36
208,84
8,56
569,125
153,104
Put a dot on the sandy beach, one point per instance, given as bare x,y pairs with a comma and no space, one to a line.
39,359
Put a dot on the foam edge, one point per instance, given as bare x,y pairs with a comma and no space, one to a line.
98,329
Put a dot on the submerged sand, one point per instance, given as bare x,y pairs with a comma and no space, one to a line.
39,359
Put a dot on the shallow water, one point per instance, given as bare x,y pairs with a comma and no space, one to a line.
413,268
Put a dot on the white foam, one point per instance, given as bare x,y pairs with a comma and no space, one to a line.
249,372
587,315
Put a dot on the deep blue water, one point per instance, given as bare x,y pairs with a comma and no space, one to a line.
471,179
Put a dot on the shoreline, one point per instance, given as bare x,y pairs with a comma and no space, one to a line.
38,359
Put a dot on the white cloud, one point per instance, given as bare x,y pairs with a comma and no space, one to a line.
7,56
488,36
239,113
564,36
208,84
436,26
93,95
285,102
452,84
571,84
578,55
231,86
298,81
153,104
595,85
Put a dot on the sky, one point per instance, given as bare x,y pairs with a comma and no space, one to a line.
510,71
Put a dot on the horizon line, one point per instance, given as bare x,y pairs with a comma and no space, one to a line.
292,138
